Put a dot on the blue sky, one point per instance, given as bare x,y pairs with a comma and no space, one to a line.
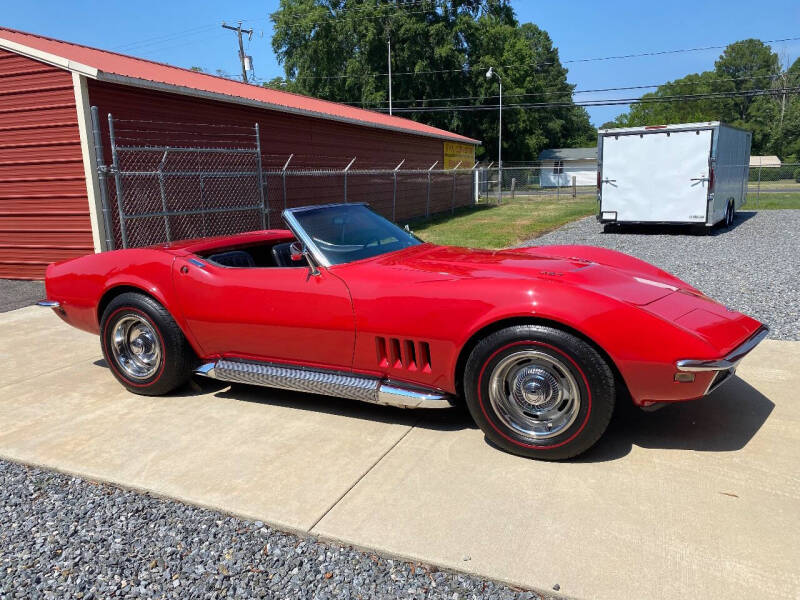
188,33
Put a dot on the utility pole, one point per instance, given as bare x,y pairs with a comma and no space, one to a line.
242,57
390,74
489,74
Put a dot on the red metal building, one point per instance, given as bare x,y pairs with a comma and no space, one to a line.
49,188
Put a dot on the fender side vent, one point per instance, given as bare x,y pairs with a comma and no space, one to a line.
409,355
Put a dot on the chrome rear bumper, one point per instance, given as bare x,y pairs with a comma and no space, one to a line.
48,304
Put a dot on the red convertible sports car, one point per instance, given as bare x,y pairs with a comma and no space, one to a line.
539,342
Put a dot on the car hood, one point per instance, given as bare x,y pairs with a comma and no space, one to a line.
639,287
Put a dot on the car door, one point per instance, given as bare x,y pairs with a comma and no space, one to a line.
284,314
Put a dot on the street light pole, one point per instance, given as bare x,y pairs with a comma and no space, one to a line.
390,74
489,74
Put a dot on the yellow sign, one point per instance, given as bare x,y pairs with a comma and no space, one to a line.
455,153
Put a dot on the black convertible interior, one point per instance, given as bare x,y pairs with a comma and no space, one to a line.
260,255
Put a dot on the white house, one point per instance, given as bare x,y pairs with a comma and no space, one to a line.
560,165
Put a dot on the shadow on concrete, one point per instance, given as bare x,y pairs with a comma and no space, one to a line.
197,386
725,421
448,419
739,219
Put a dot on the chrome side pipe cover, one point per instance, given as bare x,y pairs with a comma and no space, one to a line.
328,383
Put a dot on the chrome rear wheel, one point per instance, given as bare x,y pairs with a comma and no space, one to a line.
143,345
136,347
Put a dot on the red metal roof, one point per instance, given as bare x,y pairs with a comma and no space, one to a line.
121,68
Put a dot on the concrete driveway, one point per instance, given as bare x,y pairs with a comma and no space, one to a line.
697,500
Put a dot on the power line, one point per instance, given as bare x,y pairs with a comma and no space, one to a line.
606,102
466,69
553,91
168,37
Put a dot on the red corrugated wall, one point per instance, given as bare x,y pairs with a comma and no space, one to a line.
44,213
315,143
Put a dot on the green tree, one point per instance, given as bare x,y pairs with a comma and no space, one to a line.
785,140
441,50
748,65
744,67
659,107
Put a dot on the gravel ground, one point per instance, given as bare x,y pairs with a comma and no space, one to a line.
62,537
754,267
16,293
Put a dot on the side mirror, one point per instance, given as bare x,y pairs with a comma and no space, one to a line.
296,252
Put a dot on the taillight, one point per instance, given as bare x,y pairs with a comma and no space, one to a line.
711,179
599,182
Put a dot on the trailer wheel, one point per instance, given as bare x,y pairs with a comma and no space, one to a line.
730,214
611,228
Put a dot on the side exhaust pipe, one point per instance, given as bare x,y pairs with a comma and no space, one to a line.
327,383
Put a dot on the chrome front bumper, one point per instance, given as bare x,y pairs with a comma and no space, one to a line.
726,366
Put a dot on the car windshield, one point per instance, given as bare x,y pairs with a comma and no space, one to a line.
344,233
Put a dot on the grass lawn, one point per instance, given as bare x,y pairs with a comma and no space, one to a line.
769,201
490,226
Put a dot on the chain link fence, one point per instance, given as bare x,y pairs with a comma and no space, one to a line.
171,181
773,185
536,181
766,186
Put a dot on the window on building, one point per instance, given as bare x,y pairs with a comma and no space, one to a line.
558,167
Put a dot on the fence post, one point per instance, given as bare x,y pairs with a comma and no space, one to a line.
283,178
428,201
117,181
453,199
203,204
475,176
574,186
346,169
101,176
758,188
513,187
394,189
162,189
499,183
264,209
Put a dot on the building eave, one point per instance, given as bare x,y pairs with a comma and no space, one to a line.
216,96
97,74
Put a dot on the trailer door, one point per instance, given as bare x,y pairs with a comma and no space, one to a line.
657,177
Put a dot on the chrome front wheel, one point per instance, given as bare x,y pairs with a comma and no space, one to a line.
534,394
135,347
538,391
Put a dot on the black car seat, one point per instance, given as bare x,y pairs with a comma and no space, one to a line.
282,254
233,258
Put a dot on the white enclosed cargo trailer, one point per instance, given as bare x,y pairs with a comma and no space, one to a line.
695,173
